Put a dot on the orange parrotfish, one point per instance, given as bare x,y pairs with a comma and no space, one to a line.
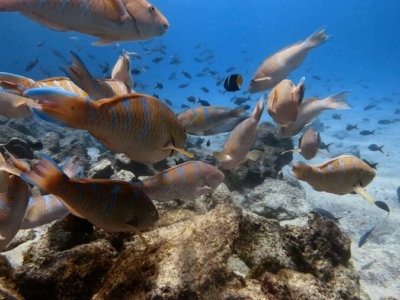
115,206
140,126
209,120
241,139
186,181
279,65
96,88
109,20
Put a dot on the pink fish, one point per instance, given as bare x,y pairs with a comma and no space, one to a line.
189,181
240,141
110,20
112,205
14,106
140,126
122,70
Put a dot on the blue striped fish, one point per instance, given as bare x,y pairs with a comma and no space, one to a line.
279,65
241,139
186,181
140,126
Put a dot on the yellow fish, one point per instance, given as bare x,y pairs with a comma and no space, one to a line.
342,175
241,139
110,20
279,65
140,126
284,102
310,109
96,88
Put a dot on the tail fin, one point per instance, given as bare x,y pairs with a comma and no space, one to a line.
70,169
15,84
317,38
380,148
258,110
20,164
61,107
46,175
337,101
327,147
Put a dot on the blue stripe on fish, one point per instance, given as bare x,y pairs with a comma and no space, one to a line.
147,118
46,117
115,118
95,186
165,175
3,206
78,186
207,115
197,165
164,119
181,173
85,6
93,112
113,200
49,207
128,119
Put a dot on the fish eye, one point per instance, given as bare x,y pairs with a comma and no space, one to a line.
152,9
153,213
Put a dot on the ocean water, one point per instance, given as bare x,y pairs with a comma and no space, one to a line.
362,55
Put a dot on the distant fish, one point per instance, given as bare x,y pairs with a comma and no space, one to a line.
157,59
40,43
337,117
233,82
279,65
382,205
372,165
208,143
326,214
364,237
186,74
241,100
140,126
385,122
367,132
186,181
183,85
191,99
241,139
375,147
115,206
159,85
324,146
204,102
31,64
230,69
351,127
204,89
308,144
284,102
316,77
370,106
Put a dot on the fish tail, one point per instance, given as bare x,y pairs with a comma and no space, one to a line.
327,147
70,169
337,101
380,148
317,38
46,175
300,170
61,107
258,110
15,84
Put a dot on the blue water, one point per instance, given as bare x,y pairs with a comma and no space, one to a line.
365,45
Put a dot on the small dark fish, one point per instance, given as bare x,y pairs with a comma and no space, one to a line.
135,71
40,44
337,117
168,102
246,107
397,112
203,102
156,96
364,237
351,127
365,86
233,82
183,85
198,46
308,70
57,53
375,147
204,89
398,194
367,132
45,71
230,69
159,85
191,99
179,161
383,205
219,82
208,143
105,67
372,165
157,59
370,106
187,75
324,146
385,122
31,64
200,75
366,120
368,265
316,77
199,142
327,215
184,106
91,56
172,76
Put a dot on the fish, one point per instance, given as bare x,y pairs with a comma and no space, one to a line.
310,109
241,100
186,181
241,139
191,99
367,132
45,71
184,106
202,119
183,85
382,205
204,89
121,70
157,59
159,85
351,127
32,63
316,77
168,102
364,237
375,147
109,20
112,205
14,106
143,128
385,122
279,65
48,208
186,74
284,102
230,69
337,117
324,146
327,215
308,144
96,88
370,106
59,55
341,175
208,143
40,43
233,82
135,71
372,165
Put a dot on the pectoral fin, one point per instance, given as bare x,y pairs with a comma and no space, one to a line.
221,157
254,155
261,79
359,190
202,190
139,233
184,152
